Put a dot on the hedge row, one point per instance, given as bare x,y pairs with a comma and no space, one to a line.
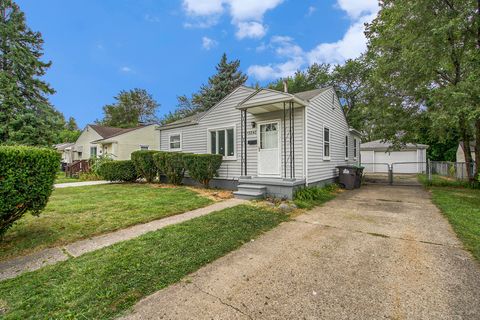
27,175
123,171
143,161
172,165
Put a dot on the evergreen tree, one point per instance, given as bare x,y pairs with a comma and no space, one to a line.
26,117
71,124
227,78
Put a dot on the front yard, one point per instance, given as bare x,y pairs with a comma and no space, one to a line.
105,283
81,212
62,178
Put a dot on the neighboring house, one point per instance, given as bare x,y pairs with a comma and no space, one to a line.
272,142
65,151
461,153
118,143
377,156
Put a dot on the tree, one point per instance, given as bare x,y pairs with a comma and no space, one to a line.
26,116
227,78
131,109
71,124
184,109
314,77
426,56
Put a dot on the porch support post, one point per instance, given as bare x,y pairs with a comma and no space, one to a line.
293,139
284,141
243,142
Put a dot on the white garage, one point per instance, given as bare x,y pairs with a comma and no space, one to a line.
377,156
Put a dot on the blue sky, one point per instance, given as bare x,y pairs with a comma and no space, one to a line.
171,47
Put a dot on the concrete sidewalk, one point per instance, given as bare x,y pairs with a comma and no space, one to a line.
14,267
80,184
374,253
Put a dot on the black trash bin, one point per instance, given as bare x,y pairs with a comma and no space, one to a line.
358,178
347,176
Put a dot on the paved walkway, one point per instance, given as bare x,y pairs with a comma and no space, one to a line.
80,184
375,253
14,267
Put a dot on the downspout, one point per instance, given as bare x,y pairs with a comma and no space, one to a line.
305,151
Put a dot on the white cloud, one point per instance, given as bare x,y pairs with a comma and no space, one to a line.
275,71
126,69
311,10
151,18
208,43
246,15
250,30
352,44
357,8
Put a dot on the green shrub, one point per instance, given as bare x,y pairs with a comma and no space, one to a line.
143,161
309,197
172,165
123,170
203,167
27,175
96,163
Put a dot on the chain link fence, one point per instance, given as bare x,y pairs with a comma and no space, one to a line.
456,170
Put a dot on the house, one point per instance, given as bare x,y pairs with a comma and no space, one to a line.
377,156
119,143
461,153
272,142
65,151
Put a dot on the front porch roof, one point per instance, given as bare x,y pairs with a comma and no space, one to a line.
267,100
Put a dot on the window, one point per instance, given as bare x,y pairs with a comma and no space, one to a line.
326,143
354,148
346,147
93,152
175,142
222,141
143,147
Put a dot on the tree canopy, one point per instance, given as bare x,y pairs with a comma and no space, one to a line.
26,116
131,109
227,78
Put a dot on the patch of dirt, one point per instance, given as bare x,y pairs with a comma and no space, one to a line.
3,307
214,194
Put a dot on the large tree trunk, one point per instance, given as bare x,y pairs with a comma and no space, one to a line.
466,148
477,149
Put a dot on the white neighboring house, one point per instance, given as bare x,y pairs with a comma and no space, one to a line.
461,153
65,151
272,142
411,158
119,143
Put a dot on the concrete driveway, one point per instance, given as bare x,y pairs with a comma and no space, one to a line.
375,253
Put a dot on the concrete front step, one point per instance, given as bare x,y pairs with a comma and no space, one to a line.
250,191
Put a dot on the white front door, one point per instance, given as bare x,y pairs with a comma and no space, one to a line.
269,149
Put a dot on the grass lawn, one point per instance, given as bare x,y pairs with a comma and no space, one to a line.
104,283
461,206
61,178
310,197
76,213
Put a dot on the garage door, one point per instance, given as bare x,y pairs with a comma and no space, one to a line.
397,156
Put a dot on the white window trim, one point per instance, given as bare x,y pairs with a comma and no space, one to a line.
209,143
169,143
346,148
329,143
355,149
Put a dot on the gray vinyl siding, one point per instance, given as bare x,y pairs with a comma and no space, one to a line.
195,137
264,97
325,110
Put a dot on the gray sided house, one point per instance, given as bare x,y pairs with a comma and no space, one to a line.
272,142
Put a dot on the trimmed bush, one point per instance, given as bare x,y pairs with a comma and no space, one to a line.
27,175
143,161
123,170
172,165
203,167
